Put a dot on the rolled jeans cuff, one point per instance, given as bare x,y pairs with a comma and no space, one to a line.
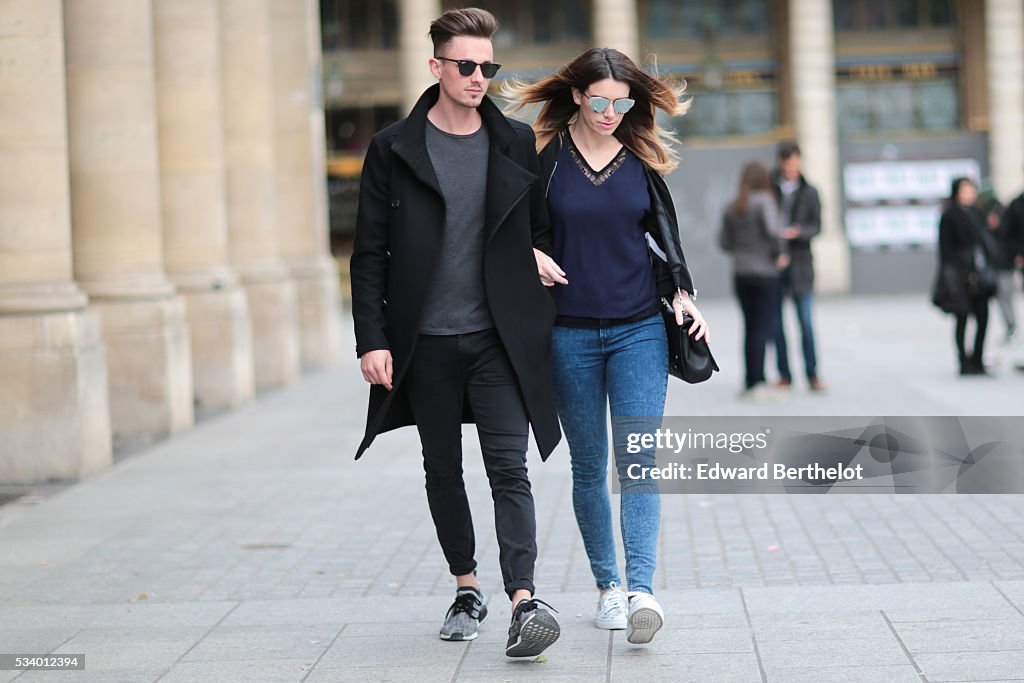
519,584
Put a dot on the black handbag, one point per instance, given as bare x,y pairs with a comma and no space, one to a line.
688,359
949,292
982,283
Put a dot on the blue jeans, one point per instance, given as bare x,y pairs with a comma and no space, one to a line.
625,366
803,314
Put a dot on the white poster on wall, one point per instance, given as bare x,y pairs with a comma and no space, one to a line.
898,203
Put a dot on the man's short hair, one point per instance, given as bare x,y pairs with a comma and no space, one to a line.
787,148
469,21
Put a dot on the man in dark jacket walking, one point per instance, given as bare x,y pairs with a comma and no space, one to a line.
452,322
800,213
1012,229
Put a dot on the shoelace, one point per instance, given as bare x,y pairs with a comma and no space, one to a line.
613,601
530,605
465,602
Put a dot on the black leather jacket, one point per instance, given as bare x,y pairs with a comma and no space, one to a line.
661,223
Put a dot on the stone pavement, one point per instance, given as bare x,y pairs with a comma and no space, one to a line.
253,548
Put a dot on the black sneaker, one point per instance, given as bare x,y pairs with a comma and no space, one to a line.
533,629
464,617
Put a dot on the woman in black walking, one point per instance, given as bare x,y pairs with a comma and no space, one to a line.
966,249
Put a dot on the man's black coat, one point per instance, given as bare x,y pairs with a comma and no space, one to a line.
806,217
399,226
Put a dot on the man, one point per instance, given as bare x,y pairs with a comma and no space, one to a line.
452,323
1012,229
800,212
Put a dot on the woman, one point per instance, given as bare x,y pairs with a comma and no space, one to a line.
602,159
966,248
753,237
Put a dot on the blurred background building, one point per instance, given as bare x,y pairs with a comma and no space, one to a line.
889,99
163,220
165,248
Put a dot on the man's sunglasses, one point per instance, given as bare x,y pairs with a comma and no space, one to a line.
619,106
467,67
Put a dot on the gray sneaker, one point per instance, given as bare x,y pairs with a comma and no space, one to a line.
532,630
462,622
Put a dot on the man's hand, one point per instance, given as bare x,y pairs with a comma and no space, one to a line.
376,367
791,233
548,270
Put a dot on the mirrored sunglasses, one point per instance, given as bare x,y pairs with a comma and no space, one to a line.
467,67
619,106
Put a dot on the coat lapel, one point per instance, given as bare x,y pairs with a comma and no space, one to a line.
507,183
411,143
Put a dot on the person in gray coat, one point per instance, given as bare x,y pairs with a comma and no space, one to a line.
752,236
800,213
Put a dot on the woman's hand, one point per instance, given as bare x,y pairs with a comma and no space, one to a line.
682,302
548,270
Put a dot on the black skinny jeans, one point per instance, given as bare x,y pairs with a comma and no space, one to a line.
979,309
445,373
759,300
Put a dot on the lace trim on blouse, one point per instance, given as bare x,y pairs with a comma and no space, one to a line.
596,177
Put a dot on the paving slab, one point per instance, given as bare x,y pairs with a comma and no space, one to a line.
971,666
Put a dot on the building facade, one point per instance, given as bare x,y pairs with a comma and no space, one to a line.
163,226
888,98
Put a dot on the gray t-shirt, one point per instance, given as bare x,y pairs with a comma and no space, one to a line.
788,188
456,302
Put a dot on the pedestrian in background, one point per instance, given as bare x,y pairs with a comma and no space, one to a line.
1012,227
451,322
751,234
966,248
1011,231
1013,222
1003,263
602,160
800,214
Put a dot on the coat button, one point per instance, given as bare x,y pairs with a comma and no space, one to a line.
395,203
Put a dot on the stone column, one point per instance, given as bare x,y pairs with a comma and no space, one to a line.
415,48
54,415
615,25
812,60
301,176
194,201
249,145
1004,42
115,211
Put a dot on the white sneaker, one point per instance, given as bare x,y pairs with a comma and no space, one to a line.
611,610
645,618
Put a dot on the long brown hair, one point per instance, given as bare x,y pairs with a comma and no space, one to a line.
638,132
753,178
